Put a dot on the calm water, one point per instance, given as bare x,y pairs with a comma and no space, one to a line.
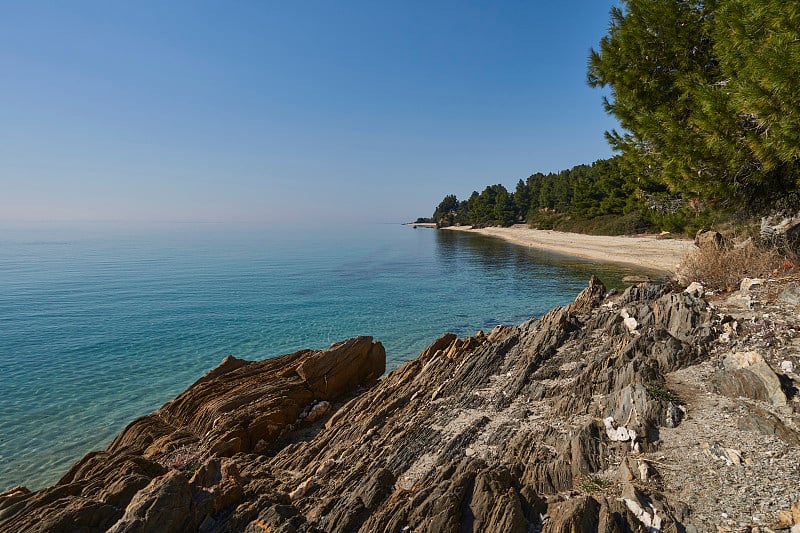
101,323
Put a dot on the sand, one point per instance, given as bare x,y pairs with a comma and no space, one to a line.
645,251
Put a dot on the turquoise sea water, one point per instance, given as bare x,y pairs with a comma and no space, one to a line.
101,323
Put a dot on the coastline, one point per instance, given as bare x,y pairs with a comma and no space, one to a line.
648,252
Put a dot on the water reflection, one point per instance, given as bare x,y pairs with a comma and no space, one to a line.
498,259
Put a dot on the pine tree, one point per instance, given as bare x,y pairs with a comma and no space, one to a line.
708,94
657,59
446,211
522,200
503,207
758,46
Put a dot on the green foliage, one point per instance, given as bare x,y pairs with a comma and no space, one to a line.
593,483
492,207
445,212
707,93
504,213
543,218
660,392
627,224
756,42
708,96
601,198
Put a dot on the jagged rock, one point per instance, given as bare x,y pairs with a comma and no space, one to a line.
164,505
486,433
744,300
790,518
573,516
746,374
790,294
757,419
140,481
783,231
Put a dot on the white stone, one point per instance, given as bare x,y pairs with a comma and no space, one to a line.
619,434
787,366
319,410
738,360
324,468
652,522
748,284
733,457
631,324
643,471
695,289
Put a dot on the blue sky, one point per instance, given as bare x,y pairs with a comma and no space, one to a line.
282,111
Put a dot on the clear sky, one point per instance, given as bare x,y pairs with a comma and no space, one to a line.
283,110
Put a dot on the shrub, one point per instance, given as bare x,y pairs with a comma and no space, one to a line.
628,224
660,392
593,483
543,218
724,268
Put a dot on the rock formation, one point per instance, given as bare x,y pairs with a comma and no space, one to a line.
603,415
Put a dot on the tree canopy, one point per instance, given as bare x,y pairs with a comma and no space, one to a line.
586,191
708,95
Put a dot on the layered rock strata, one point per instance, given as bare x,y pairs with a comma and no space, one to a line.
572,422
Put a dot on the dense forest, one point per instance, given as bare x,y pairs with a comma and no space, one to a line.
707,94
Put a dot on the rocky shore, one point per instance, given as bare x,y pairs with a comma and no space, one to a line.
657,409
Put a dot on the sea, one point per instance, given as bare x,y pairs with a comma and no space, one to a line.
101,323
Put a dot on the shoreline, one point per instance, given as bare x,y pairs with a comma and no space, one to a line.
647,252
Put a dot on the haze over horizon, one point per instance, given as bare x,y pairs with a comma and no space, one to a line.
270,112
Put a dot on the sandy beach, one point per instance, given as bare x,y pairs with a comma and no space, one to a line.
649,252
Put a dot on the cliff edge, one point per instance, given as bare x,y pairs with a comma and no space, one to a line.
651,410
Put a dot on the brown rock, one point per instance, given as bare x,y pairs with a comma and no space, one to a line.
573,516
746,374
757,419
140,482
710,239
487,433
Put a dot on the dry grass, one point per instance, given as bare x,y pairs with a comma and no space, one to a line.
185,458
723,269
